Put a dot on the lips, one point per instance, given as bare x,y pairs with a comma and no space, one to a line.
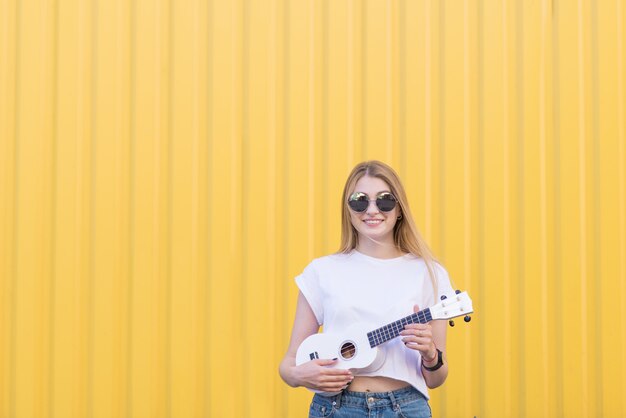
373,221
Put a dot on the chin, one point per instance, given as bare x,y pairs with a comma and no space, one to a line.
376,234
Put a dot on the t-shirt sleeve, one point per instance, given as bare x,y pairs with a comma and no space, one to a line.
444,287
443,282
309,285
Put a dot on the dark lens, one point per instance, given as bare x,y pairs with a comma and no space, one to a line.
386,202
358,202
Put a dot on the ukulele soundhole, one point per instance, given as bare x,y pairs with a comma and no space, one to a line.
348,350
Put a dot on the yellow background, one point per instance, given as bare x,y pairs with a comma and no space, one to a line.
167,168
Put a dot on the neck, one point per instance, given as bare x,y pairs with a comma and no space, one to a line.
378,249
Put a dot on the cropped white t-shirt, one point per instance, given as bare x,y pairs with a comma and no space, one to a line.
344,289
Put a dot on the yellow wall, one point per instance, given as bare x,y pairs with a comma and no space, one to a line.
167,167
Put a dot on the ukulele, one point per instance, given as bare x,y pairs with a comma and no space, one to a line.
358,348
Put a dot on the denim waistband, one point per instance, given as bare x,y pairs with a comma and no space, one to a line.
371,399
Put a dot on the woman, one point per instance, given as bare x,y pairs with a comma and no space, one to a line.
383,271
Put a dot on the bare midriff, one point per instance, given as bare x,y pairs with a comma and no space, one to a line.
375,384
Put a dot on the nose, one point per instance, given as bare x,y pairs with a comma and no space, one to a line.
372,208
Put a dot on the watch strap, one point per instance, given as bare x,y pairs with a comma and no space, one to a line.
436,366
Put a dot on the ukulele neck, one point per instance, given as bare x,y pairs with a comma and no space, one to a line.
387,332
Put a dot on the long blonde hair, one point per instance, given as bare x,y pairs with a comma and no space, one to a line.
405,235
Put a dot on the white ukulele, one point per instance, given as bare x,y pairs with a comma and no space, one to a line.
358,349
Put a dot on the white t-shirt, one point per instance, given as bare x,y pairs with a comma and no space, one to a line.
344,289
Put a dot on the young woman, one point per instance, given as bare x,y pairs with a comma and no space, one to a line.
383,271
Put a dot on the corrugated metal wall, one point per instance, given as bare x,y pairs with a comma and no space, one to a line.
167,168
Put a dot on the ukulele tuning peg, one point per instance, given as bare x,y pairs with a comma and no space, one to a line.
467,318
457,291
444,297
451,323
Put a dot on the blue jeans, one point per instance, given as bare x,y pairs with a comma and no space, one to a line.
405,403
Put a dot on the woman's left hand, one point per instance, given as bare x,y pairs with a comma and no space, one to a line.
419,337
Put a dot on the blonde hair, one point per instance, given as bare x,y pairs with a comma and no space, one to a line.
406,236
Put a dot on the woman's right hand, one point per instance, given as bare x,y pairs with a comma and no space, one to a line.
316,374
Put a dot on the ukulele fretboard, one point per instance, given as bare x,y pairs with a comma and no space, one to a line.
390,331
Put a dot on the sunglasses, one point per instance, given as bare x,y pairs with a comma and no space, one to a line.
359,201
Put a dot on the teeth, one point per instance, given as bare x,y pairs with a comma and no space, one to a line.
373,222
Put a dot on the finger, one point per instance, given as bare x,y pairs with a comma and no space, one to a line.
417,326
422,348
338,372
328,370
419,340
335,387
334,378
420,333
332,388
414,346
325,361
410,331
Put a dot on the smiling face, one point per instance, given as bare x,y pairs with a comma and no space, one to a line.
373,223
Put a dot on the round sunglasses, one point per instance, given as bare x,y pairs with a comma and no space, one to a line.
360,201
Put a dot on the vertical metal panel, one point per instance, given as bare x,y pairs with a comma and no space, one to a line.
167,168
8,84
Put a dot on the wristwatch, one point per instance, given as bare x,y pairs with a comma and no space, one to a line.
436,366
